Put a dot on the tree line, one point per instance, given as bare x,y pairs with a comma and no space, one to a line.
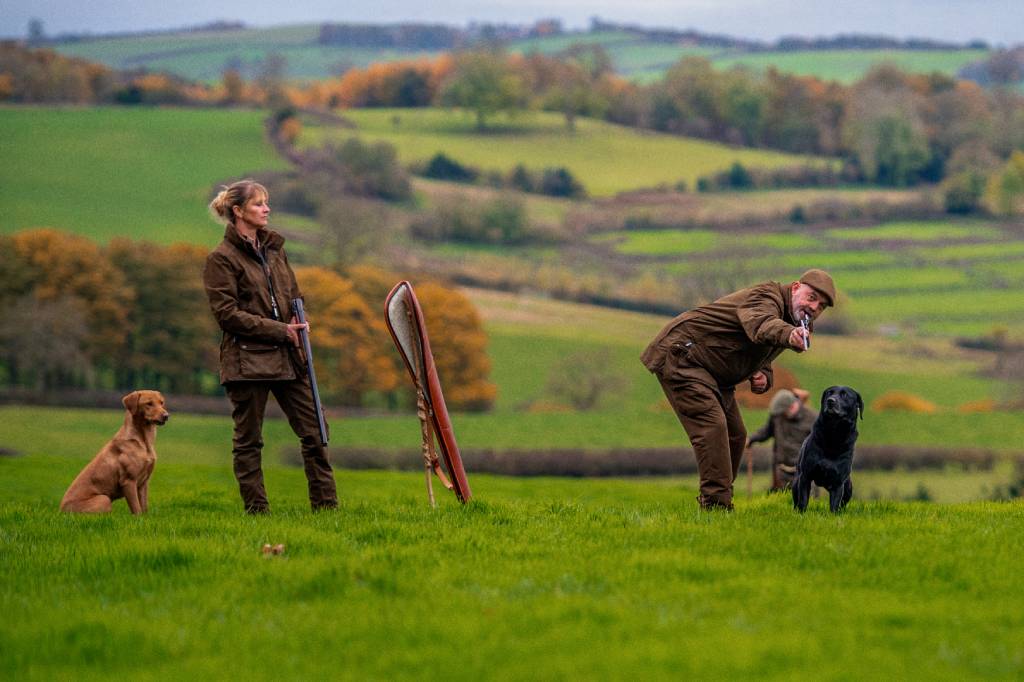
890,128
134,314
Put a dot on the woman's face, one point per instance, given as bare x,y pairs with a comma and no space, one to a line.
255,212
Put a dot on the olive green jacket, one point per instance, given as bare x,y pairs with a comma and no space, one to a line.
788,433
254,345
727,341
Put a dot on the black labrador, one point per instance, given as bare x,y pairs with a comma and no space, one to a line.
826,457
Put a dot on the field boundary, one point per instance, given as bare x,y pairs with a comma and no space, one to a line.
630,462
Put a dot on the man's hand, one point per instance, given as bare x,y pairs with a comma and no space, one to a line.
796,338
758,383
293,331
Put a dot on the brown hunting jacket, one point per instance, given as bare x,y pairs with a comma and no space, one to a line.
725,342
238,280
788,433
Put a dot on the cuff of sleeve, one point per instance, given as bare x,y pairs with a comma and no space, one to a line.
280,332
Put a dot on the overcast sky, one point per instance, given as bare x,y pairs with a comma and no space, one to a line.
997,21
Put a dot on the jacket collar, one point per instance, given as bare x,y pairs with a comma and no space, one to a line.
268,238
787,304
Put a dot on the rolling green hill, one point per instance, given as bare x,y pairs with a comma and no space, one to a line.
605,157
205,55
847,66
137,172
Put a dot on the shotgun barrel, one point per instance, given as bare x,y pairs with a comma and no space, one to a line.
300,316
807,333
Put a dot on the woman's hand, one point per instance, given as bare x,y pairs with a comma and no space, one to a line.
293,331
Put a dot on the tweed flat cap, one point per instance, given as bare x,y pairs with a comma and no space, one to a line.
821,281
781,402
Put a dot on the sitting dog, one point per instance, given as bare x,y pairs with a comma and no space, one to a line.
123,467
826,457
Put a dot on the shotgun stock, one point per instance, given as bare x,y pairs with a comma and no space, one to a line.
300,316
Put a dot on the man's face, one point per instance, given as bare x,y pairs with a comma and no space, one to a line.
806,301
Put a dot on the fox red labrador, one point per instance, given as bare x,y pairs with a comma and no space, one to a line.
124,465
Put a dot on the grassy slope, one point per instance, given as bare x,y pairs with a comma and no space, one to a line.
606,158
847,66
530,337
138,172
536,579
939,277
205,55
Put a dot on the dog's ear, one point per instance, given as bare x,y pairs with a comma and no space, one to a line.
131,401
860,406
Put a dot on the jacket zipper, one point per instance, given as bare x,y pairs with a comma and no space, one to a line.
270,283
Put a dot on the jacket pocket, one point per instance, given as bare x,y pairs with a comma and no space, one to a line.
261,361
678,355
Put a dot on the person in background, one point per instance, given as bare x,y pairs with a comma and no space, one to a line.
250,286
789,423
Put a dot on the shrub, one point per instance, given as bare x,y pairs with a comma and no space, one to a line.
442,167
963,192
901,401
496,221
359,168
559,182
649,461
976,406
521,179
585,379
739,177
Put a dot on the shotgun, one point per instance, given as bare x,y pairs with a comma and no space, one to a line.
804,321
300,316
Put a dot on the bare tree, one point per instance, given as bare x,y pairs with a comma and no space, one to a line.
586,378
43,341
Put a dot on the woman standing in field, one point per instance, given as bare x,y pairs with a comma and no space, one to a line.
250,286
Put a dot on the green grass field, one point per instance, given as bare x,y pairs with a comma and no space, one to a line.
847,66
205,55
535,579
144,173
934,277
606,158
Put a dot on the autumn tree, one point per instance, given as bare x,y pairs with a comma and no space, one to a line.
884,130
1005,191
967,174
52,267
234,87
456,333
460,347
358,168
346,336
42,343
172,340
352,227
485,83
